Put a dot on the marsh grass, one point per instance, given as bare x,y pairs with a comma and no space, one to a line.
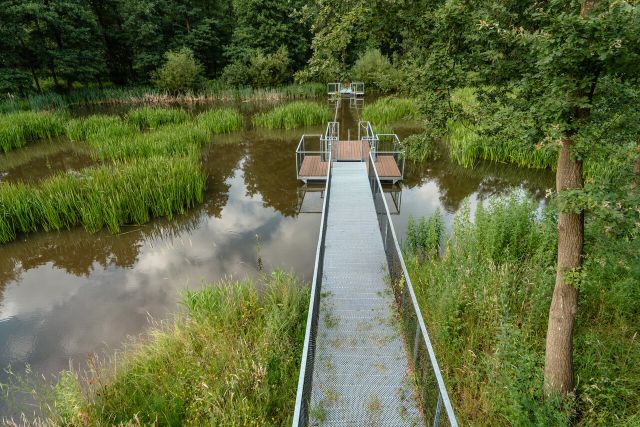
220,120
468,142
293,115
153,117
386,111
18,129
104,196
94,126
170,140
231,359
419,148
486,302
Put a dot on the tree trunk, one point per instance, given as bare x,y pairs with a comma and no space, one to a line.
558,371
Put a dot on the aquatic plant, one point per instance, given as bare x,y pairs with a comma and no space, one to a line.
171,140
153,117
220,120
185,371
103,196
293,115
18,129
419,148
389,110
89,127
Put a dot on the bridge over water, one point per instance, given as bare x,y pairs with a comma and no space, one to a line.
367,357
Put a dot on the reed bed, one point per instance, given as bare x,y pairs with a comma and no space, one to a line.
220,120
18,129
171,140
92,126
390,110
103,196
293,115
193,371
153,117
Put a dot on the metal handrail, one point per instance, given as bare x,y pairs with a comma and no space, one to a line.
301,152
401,283
303,395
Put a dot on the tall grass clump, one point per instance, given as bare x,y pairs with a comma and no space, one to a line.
220,120
90,127
103,196
153,117
18,129
486,302
293,115
231,359
390,110
170,140
419,148
423,236
470,138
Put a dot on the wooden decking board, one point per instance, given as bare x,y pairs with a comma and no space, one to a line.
387,167
312,166
352,151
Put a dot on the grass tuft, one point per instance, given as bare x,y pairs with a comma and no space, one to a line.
293,115
89,127
153,117
388,110
18,129
221,120
193,371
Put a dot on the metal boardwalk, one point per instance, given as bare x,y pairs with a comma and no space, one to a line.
361,371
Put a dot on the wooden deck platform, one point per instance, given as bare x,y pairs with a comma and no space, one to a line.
352,151
313,168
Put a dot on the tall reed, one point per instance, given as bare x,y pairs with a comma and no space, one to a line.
293,115
193,371
18,129
220,120
103,196
153,117
92,126
389,110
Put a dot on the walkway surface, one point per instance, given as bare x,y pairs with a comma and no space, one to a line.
360,375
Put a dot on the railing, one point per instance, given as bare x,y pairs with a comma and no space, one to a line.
302,151
303,396
334,88
353,88
357,88
430,386
332,137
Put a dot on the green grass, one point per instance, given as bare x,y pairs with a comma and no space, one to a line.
467,143
18,129
419,148
486,302
388,110
153,117
170,140
293,115
92,126
221,120
103,196
232,359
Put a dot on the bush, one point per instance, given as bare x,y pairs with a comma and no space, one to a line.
194,371
180,73
270,70
376,71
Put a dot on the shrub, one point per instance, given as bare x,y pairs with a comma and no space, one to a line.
152,117
180,73
270,70
376,71
187,371
293,115
18,129
389,110
221,120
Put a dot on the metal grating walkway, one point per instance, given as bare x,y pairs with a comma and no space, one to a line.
361,370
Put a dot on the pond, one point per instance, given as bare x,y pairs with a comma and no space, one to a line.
66,295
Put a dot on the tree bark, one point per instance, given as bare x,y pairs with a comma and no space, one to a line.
558,372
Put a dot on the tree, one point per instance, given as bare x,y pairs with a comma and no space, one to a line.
180,72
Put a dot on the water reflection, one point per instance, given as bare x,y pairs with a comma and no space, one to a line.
64,295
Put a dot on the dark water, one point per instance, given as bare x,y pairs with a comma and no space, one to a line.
66,295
